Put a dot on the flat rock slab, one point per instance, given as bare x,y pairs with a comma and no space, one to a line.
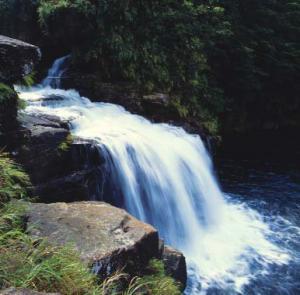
106,237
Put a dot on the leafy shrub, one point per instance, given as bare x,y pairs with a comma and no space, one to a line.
157,45
231,61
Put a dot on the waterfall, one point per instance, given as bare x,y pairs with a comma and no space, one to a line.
164,176
55,73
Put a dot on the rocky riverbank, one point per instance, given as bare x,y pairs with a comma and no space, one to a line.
65,169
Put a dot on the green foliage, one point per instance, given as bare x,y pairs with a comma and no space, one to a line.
180,109
22,104
29,263
29,80
233,64
155,282
157,45
234,61
258,67
212,126
7,94
14,182
65,145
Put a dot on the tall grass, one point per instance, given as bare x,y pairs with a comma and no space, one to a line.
14,182
155,282
30,263
27,262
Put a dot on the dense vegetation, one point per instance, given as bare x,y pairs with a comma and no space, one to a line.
229,62
259,65
14,182
33,263
25,261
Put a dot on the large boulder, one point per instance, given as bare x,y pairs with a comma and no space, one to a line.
17,59
107,238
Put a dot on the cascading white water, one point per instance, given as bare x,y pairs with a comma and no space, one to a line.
165,177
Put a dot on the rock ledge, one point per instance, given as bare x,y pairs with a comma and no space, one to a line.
106,237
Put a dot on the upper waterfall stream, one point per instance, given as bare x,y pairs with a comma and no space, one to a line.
165,177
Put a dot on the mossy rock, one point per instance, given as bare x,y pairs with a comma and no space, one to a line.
6,93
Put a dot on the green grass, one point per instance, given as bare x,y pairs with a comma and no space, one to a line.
14,182
6,93
27,262
65,145
30,263
156,282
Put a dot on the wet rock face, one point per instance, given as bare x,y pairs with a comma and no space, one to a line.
106,237
175,264
17,59
61,168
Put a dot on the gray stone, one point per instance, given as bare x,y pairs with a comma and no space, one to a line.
69,174
106,237
157,99
17,59
175,264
